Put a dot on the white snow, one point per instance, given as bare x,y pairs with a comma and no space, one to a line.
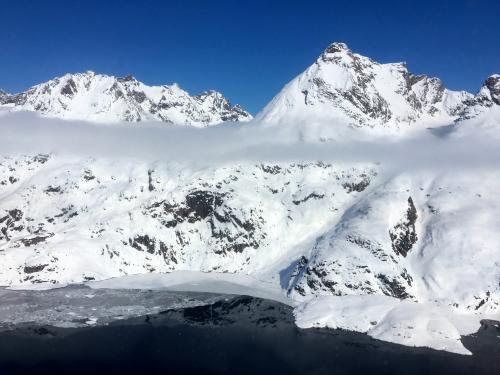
297,209
344,94
107,99
195,281
380,208
91,208
390,319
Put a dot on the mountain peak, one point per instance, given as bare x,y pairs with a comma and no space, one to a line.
3,97
210,93
340,54
337,47
344,90
492,84
127,78
87,73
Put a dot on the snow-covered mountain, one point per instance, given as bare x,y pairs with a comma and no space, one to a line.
316,230
380,246
488,98
481,115
3,96
489,94
344,89
101,98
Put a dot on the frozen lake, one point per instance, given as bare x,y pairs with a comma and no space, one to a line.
81,330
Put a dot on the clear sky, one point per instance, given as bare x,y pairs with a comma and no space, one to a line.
246,49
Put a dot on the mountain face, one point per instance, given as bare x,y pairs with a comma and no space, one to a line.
407,240
317,229
490,92
343,88
488,97
79,219
101,98
3,96
324,229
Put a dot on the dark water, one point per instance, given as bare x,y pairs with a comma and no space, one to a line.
241,335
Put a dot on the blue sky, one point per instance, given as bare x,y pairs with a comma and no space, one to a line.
246,49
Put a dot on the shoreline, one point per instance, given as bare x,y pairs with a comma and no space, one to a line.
238,330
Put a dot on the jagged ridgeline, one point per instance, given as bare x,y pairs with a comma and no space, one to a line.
102,98
343,89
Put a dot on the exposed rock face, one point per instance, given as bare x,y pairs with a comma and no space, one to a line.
487,97
403,235
218,106
11,223
87,218
101,98
355,257
345,88
4,97
230,233
492,84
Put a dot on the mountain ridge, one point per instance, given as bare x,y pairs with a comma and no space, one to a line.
103,98
342,90
345,90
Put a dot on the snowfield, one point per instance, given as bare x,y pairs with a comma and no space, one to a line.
390,319
363,195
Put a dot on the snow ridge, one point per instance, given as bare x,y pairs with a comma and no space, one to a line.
101,98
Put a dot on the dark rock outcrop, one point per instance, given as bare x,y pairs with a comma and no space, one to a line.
403,235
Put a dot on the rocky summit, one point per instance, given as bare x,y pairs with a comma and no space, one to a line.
344,90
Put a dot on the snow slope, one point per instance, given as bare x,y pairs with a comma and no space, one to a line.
96,97
389,319
71,220
482,112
